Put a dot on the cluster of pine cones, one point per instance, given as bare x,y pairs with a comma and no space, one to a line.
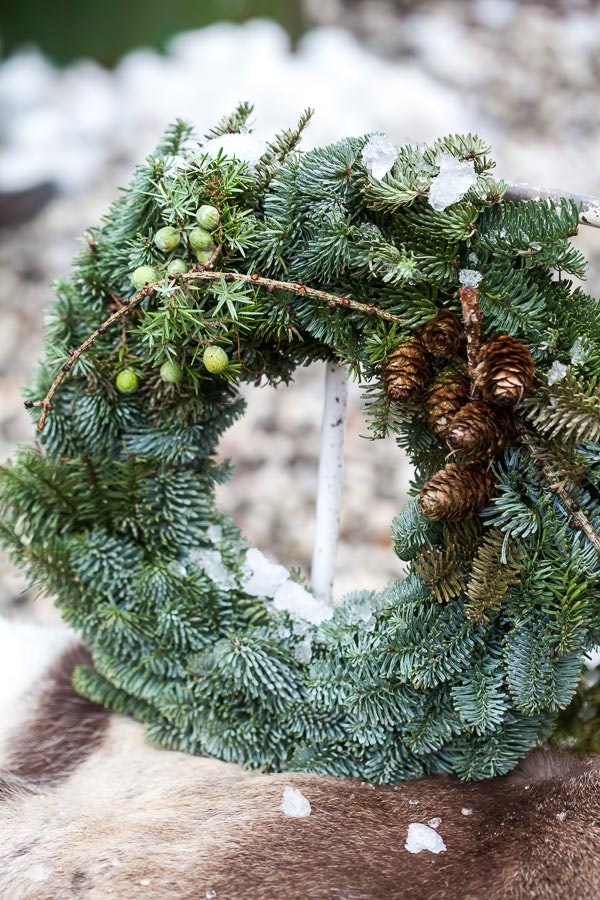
473,416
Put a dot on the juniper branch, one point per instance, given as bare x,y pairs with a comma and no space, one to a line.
293,287
202,274
127,305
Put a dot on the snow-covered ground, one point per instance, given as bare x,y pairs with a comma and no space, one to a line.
67,124
523,78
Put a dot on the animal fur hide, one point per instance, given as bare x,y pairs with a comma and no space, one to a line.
88,809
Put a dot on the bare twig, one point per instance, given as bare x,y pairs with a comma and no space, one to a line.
297,288
472,318
127,304
590,206
578,517
200,274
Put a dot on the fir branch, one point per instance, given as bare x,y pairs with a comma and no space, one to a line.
589,206
278,150
513,303
443,569
496,566
568,409
234,122
578,516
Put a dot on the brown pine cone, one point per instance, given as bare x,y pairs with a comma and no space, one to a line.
456,492
504,370
443,334
406,370
479,430
448,392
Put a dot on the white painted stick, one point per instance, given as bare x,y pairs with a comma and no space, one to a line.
590,206
329,488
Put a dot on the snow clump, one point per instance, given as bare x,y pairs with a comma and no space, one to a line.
214,533
469,277
579,351
261,577
421,837
556,372
435,822
211,563
300,603
241,145
379,155
303,650
455,178
295,804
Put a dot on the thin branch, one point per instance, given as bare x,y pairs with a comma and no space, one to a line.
578,517
472,318
590,206
127,304
200,274
292,287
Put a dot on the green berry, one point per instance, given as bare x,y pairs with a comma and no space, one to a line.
167,238
127,381
215,359
171,372
142,276
200,238
208,217
205,256
177,267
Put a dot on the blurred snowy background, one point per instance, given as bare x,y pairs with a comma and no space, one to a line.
86,89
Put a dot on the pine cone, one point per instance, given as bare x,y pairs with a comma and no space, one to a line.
443,334
448,392
406,370
504,370
456,492
479,431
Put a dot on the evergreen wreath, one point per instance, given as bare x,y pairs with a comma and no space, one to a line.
473,347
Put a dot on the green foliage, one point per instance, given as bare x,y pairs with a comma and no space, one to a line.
279,150
234,122
569,409
411,530
496,566
444,569
537,232
461,666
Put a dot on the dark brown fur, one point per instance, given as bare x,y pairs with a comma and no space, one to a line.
533,834
63,729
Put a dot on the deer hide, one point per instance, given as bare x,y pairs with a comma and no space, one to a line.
88,809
